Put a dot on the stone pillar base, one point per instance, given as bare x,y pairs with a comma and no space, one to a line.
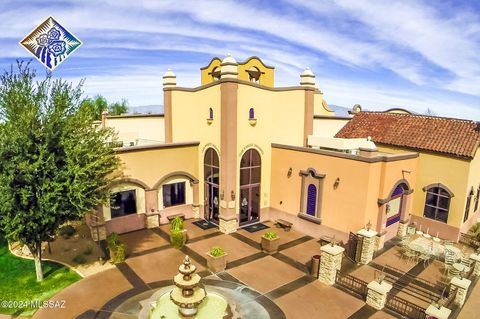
152,220
402,229
439,313
475,264
462,289
368,245
196,211
330,262
377,294
98,231
228,226
380,240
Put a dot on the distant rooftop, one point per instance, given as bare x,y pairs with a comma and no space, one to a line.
454,137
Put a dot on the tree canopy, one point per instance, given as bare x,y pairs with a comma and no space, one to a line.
55,165
98,104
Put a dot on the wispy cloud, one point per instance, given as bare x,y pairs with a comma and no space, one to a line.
403,53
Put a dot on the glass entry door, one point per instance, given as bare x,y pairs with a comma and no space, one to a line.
250,170
211,179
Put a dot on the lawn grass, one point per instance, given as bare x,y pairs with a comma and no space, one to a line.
18,280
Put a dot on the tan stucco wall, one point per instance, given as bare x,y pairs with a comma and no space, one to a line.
473,181
328,127
190,111
434,168
353,203
150,166
138,127
280,119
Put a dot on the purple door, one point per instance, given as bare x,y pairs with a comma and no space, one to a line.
311,199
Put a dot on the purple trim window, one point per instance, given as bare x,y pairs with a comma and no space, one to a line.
251,114
311,200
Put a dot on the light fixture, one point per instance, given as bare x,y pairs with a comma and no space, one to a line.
289,173
387,209
222,195
368,226
232,195
337,182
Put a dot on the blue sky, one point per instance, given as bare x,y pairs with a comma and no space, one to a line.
380,54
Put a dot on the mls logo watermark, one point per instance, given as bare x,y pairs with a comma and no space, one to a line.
51,43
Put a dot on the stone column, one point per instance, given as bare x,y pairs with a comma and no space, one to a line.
462,289
377,294
402,228
475,264
439,313
330,262
195,204
152,219
368,245
380,240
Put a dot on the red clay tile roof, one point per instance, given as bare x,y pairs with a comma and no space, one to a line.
454,137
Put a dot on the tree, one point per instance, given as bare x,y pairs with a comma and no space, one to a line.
96,105
118,108
55,165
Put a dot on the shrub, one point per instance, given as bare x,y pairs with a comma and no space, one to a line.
120,253
66,231
176,237
217,251
79,259
176,224
88,250
475,229
118,250
270,235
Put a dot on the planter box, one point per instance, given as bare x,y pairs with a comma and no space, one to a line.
216,264
270,246
184,238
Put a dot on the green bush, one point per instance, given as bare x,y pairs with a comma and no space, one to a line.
66,231
176,224
113,239
217,251
118,250
120,253
270,235
176,238
475,229
88,250
79,259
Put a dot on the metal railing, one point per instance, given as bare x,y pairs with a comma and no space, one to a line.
352,284
404,307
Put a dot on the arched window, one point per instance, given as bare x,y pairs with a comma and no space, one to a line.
467,206
216,73
210,113
312,200
211,171
251,114
254,74
437,203
394,206
250,171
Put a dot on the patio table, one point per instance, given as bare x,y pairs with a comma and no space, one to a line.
461,267
455,250
426,245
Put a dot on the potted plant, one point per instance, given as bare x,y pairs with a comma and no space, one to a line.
216,259
178,235
270,242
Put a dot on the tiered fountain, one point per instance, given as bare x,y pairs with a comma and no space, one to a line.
187,295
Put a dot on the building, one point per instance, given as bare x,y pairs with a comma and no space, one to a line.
237,150
447,188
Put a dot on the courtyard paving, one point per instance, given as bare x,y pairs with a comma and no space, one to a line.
282,277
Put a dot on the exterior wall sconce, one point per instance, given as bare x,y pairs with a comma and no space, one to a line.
337,182
222,195
368,225
387,209
210,116
252,122
232,195
209,121
289,173
251,117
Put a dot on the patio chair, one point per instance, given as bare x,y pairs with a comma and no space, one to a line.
452,272
411,255
466,261
425,257
450,259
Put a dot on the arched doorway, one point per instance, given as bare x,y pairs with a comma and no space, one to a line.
250,171
395,205
211,169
